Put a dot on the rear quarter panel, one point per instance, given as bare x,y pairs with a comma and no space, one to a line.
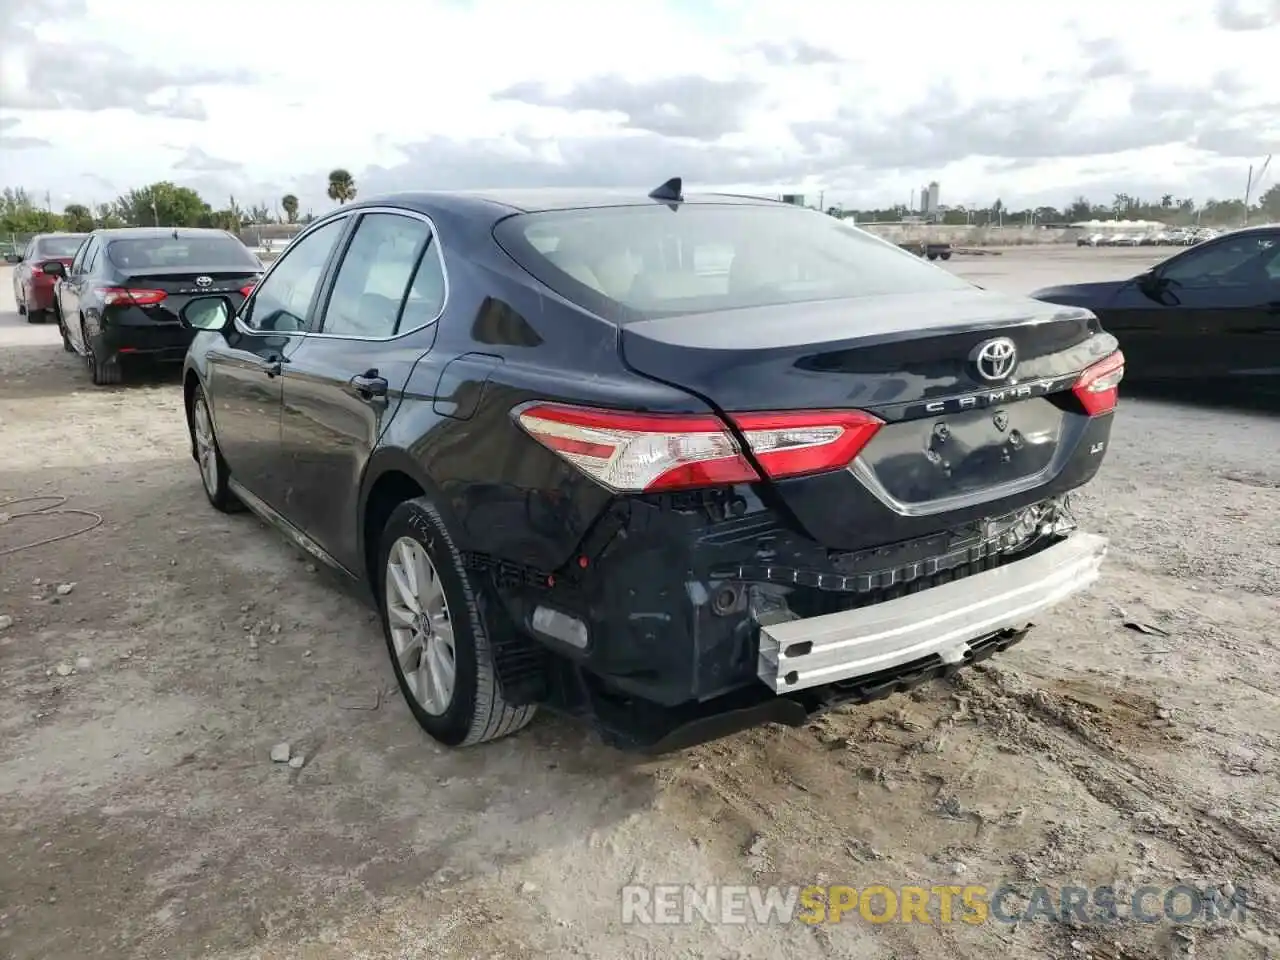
502,493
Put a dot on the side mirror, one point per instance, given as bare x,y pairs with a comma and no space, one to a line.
206,313
1148,280
54,268
13,258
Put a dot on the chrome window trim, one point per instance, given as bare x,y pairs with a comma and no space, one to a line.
320,334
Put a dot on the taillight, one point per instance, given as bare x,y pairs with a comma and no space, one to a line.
634,452
112,296
246,290
794,443
1099,386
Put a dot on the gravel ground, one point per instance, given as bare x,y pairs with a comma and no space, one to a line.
149,665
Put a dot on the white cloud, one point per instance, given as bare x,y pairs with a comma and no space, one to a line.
1028,102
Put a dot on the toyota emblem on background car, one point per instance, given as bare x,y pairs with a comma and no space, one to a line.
203,281
995,359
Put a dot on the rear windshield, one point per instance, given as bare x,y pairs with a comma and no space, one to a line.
635,263
183,252
58,246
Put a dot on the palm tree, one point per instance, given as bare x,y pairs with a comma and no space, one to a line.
1167,201
342,186
289,203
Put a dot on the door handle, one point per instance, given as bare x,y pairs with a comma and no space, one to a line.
369,385
275,364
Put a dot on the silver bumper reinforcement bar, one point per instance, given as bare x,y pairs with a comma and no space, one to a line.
941,621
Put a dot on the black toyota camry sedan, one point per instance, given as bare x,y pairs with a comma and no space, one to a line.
1209,313
674,464
119,297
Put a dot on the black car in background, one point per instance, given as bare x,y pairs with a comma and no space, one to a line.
676,464
1211,312
121,295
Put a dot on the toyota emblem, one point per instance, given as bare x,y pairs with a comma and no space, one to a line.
995,359
203,281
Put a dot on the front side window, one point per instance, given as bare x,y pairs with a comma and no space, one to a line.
77,265
1250,258
283,300
639,262
86,256
374,277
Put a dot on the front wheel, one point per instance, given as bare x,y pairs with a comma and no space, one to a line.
436,634
214,474
947,255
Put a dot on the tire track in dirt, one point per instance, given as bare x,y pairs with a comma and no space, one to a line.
1078,740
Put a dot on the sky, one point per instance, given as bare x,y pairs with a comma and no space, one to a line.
859,103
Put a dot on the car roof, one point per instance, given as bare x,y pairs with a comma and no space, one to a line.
144,233
57,234
501,203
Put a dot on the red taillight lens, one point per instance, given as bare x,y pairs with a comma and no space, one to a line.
1099,386
246,290
633,452
112,296
792,444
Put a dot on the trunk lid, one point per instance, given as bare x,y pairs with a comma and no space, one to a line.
952,439
181,284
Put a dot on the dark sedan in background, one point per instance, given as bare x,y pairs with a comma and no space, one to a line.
1210,313
120,296
32,286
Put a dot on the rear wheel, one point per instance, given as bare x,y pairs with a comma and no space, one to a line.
436,634
103,373
947,255
213,469
36,316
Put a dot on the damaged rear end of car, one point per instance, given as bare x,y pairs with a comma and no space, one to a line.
869,488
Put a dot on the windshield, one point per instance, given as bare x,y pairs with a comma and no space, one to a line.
632,263
58,246
160,252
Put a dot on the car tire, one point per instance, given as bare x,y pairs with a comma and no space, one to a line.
945,256
36,316
932,256
434,628
214,473
62,330
103,373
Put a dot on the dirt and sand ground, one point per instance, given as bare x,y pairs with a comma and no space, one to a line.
149,665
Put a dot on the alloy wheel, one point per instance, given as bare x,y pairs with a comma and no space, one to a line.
421,629
206,449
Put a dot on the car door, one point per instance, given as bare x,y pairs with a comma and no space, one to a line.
1224,289
243,376
1172,322
347,378
68,290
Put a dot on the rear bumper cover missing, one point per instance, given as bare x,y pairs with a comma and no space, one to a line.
942,621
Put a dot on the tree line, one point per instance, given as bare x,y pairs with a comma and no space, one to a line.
160,204
167,204
1175,211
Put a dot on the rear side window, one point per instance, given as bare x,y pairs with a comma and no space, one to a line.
161,252
635,263
374,276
